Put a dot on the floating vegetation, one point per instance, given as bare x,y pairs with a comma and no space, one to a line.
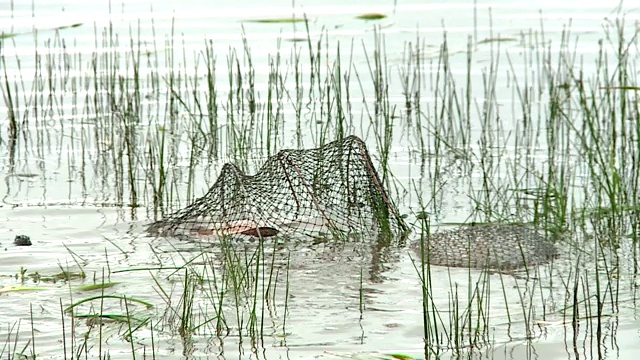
400,357
108,297
373,356
101,319
276,20
371,16
23,175
10,35
23,275
100,286
9,289
497,40
631,88
68,26
298,39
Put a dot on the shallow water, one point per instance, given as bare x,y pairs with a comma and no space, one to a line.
325,314
344,300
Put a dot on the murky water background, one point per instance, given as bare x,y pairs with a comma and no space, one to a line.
344,300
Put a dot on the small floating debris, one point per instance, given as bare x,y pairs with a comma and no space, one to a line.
298,39
498,40
22,176
4,35
103,319
371,16
68,26
22,240
276,21
53,278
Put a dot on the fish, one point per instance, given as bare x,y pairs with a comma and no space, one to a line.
261,231
248,228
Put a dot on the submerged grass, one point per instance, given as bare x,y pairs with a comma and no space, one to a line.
155,126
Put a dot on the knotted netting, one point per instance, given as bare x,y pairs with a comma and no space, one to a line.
331,189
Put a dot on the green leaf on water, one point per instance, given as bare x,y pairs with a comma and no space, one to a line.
371,16
91,287
117,297
9,289
110,317
276,21
401,357
6,36
378,356
634,88
68,26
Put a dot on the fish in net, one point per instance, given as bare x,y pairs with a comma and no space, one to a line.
331,189
488,246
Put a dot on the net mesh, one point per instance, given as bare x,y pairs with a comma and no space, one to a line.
332,189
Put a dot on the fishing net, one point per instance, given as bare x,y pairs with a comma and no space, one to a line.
333,189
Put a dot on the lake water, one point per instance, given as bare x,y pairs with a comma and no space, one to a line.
66,187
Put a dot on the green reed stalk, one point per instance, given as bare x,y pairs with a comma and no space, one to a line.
212,101
128,315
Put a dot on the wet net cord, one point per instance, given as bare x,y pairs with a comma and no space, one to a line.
333,188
